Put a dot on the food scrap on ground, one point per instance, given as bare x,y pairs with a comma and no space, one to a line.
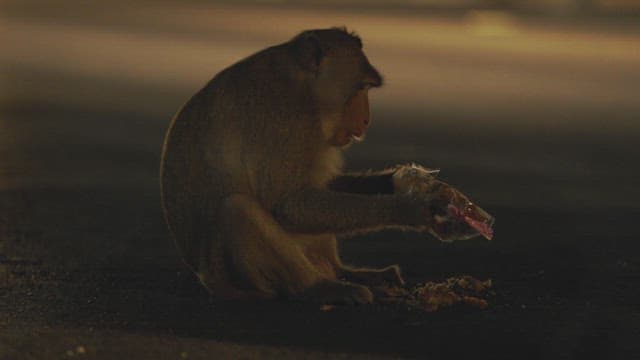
432,296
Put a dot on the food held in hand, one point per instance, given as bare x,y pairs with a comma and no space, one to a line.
456,217
475,217
413,179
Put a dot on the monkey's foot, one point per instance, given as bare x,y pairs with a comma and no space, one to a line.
374,277
338,292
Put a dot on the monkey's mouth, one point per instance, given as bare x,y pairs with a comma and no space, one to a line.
356,137
347,138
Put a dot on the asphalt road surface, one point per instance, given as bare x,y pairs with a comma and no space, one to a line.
535,118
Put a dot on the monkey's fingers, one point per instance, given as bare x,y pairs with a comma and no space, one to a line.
413,179
475,217
449,230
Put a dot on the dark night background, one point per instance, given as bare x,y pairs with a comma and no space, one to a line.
529,107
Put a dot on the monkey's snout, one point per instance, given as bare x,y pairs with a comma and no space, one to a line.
357,139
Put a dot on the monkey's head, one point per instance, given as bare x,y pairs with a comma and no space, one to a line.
340,77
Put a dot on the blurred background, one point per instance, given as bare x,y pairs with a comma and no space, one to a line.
540,96
529,107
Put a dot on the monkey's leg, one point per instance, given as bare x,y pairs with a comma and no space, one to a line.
322,251
266,258
389,275
369,182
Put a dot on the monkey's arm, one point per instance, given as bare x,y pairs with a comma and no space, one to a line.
380,182
324,211
401,179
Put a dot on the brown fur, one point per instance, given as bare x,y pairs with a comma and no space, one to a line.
246,170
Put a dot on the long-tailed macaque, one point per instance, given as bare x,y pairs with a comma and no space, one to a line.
252,187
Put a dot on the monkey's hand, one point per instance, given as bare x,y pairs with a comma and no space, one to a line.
452,215
413,179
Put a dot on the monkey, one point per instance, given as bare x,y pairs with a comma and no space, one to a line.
251,177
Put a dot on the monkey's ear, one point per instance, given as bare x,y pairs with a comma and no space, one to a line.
308,51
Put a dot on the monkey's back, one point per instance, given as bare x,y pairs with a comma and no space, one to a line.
210,150
193,175
247,131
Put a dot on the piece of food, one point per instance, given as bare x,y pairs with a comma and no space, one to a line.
433,296
413,179
475,302
469,284
456,217
458,290
475,217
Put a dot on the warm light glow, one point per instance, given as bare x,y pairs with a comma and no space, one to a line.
491,23
485,60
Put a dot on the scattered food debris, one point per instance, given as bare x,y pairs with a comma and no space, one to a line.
79,350
433,296
327,307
